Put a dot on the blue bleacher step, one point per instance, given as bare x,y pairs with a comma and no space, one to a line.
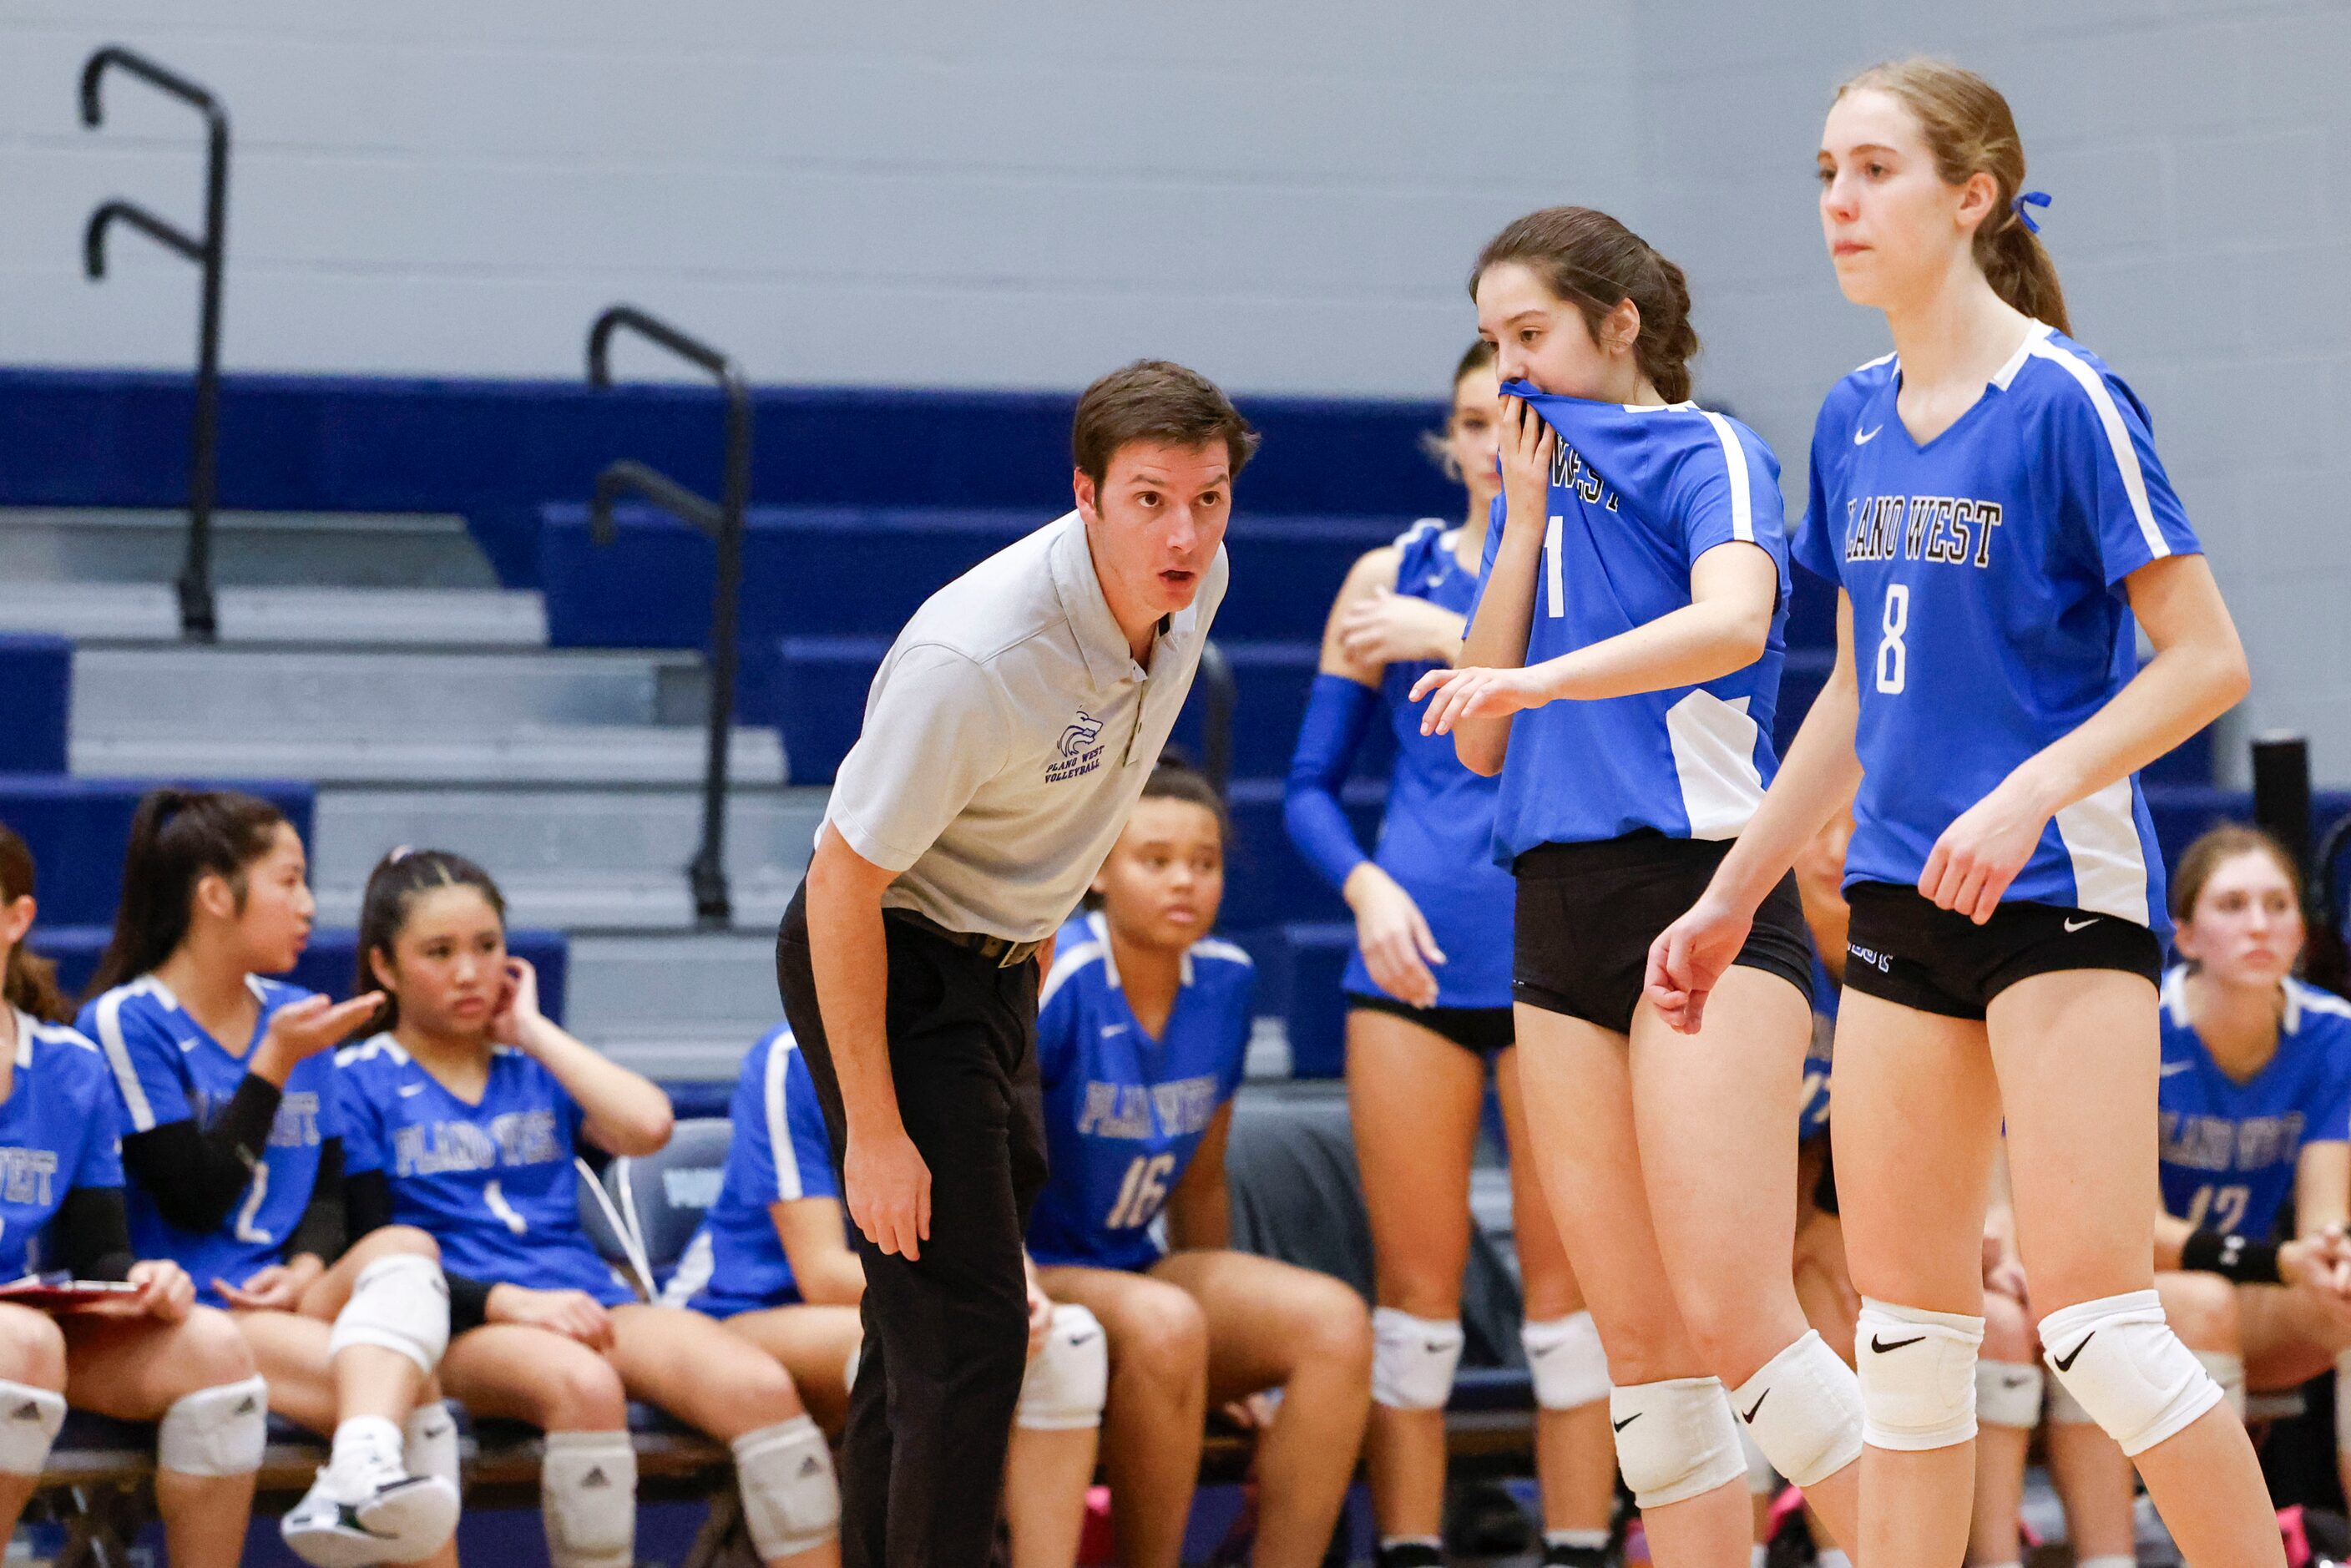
861,571
292,549
36,720
150,612
577,859
588,755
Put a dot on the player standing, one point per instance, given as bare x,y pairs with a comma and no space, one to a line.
1989,499
1634,596
1428,1006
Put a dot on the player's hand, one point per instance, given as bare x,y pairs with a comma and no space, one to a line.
1040,1309
516,1018
1475,692
1689,957
301,1030
1981,854
275,1289
2004,1270
889,1191
575,1315
165,1293
1398,947
1527,445
1385,627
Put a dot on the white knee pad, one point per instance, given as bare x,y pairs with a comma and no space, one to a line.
402,1303
1917,1375
215,1431
2007,1393
1413,1360
1674,1440
790,1500
588,1498
1762,1481
2121,1360
1803,1410
2064,1410
30,1419
428,1445
1069,1378
2229,1372
1570,1368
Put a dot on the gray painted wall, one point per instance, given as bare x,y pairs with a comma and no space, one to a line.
928,192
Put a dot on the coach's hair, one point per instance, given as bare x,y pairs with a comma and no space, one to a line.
2216,848
1969,130
1435,444
398,881
1591,261
178,837
31,982
1155,400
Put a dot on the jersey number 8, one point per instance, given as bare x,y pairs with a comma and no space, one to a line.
1893,653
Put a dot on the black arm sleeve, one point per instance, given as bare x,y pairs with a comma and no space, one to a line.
469,1304
320,1229
92,1231
196,1175
367,1205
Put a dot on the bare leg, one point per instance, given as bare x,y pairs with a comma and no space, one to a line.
1158,1400
135,1369
371,1380
814,1343
1577,1085
2080,1164
1414,1098
1045,1479
1992,1538
1716,1116
32,1353
1575,1453
1916,1126
1273,1324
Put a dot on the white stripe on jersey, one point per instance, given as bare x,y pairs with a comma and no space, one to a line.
370,1049
2117,437
2101,837
779,1131
1218,948
118,1053
1734,458
1066,963
694,1267
2301,998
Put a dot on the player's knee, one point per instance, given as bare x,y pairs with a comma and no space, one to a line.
1566,1360
1676,1439
2008,1329
208,1349
218,1430
791,1500
2123,1364
759,1389
1337,1334
2201,1310
580,1391
1068,1380
1161,1335
392,1240
32,1349
1918,1370
398,1302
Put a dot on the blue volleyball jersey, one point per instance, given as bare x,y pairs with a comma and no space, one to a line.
493,1183
56,1134
1437,839
2229,1149
1989,617
1125,1112
168,1068
1636,496
781,1152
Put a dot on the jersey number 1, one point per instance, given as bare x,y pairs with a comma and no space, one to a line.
1893,653
246,1230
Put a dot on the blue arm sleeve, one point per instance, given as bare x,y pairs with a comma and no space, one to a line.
1338,712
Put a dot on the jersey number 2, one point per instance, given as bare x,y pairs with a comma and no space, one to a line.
1141,1192
1893,653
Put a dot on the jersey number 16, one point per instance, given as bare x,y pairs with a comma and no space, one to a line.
1142,1194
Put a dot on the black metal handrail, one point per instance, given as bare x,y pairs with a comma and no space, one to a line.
198,619
724,521
1219,693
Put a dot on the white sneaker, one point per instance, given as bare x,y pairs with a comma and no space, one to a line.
382,1515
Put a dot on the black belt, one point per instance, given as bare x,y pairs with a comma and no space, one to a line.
1007,953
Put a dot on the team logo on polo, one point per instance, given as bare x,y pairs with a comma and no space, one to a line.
1080,752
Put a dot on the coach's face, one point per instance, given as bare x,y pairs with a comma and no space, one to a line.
1154,523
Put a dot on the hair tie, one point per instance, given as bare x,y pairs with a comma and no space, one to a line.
2028,199
398,855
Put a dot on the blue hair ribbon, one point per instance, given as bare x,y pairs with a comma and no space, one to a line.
2028,199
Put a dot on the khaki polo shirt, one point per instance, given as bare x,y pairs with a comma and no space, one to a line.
1008,733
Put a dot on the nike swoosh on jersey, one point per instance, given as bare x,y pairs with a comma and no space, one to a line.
2082,925
189,1043
1109,1030
2170,1069
408,1089
1864,437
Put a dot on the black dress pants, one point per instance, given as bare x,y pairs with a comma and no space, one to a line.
946,1335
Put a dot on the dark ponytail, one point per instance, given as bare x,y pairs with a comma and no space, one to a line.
1971,131
1591,261
31,982
178,837
392,889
